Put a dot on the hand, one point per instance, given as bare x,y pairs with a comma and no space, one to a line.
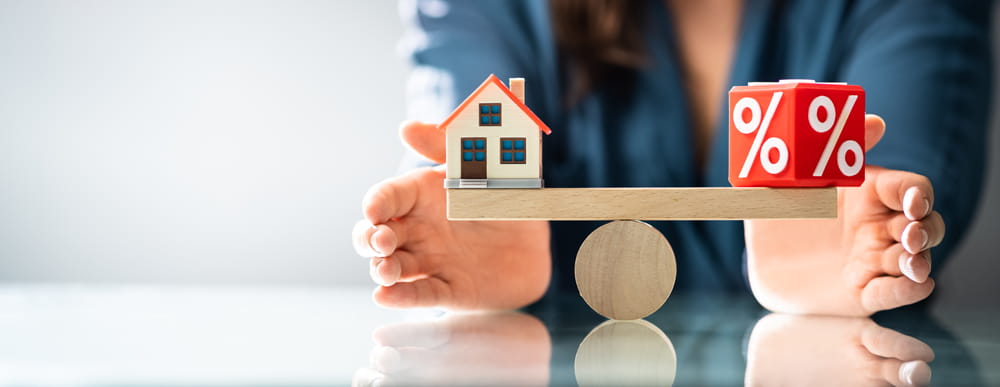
789,350
421,259
873,257
465,349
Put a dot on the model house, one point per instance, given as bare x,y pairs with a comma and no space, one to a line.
494,140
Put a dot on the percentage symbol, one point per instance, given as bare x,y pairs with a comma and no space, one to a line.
825,125
759,145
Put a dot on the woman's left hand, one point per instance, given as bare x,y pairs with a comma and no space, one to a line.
875,256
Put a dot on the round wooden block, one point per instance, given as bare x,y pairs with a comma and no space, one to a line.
625,270
625,353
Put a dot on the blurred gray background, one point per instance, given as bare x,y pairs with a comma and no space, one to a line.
189,141
226,142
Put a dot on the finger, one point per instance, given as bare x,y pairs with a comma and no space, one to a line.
905,192
914,373
889,261
916,267
389,199
917,236
411,266
916,205
384,271
425,139
874,130
922,235
896,261
933,224
886,342
424,293
884,293
910,373
400,266
363,235
393,236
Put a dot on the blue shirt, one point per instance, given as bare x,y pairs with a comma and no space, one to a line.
925,67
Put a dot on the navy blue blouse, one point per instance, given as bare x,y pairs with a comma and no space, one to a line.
925,67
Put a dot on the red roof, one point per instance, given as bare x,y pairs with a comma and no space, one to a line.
472,97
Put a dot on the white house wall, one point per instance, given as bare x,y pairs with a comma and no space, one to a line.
514,123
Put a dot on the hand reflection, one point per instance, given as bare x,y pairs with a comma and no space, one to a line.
507,348
626,353
837,351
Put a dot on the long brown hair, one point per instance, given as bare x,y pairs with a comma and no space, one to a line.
599,41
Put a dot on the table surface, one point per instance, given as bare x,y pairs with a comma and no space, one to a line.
162,335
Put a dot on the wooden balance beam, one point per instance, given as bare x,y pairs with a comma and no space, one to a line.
642,203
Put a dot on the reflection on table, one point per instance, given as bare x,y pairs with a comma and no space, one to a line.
199,336
792,350
460,349
692,341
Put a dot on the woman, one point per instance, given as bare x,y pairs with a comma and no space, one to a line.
635,94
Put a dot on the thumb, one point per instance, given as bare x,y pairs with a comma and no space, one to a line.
874,129
425,139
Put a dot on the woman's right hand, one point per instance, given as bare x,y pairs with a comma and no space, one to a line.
421,259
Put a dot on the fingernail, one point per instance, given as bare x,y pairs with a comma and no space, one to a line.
377,277
909,200
927,208
906,267
915,373
907,239
371,243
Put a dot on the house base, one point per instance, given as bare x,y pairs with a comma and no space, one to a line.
493,183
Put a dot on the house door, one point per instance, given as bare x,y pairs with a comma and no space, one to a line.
473,157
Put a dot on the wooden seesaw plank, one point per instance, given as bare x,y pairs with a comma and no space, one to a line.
642,203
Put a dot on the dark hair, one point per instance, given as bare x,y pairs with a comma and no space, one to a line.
600,42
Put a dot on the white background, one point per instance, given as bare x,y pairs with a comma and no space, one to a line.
193,141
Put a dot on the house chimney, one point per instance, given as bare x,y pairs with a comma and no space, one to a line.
517,88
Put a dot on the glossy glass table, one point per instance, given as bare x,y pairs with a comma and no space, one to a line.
136,335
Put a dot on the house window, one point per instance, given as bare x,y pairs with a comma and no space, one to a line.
489,114
512,150
474,149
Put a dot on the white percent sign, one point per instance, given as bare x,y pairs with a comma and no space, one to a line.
759,146
825,125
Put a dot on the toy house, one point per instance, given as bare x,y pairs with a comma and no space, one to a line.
493,139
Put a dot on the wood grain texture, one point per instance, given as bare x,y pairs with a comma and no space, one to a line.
625,270
642,203
625,353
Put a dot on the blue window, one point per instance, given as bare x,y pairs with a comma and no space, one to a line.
512,150
489,114
473,149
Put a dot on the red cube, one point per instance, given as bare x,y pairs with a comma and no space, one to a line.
796,133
